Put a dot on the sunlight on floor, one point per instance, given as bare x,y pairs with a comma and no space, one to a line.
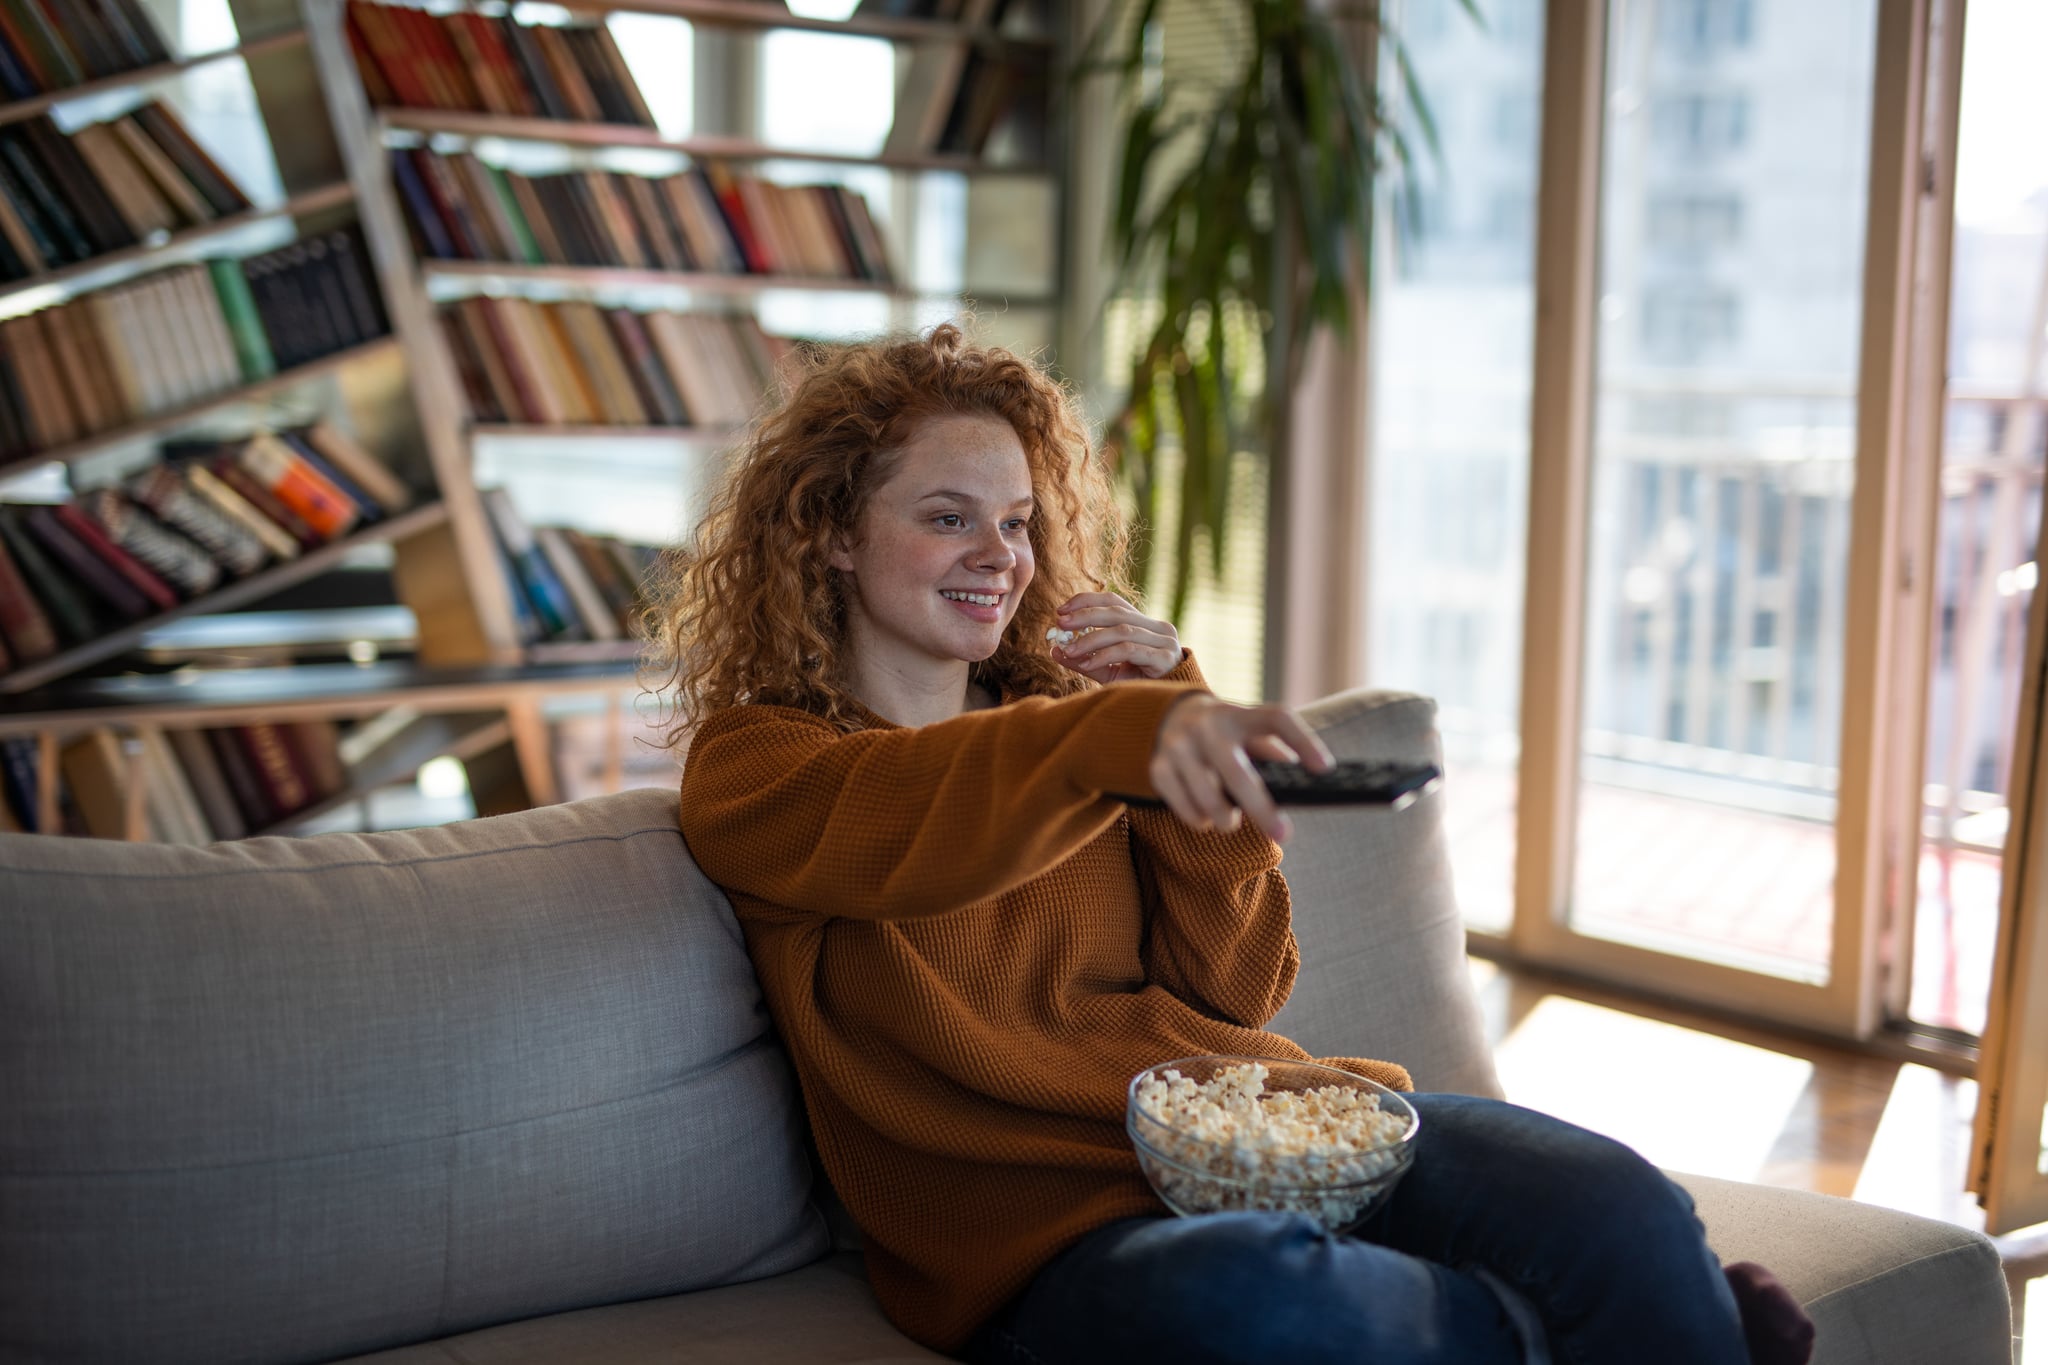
1662,1089
1919,1155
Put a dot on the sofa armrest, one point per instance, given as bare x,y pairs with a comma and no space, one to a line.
1883,1287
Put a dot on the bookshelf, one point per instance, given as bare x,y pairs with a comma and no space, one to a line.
189,413
264,584
419,282
14,111
457,124
104,269
483,688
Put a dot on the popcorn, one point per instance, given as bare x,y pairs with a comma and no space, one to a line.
1060,637
1302,1151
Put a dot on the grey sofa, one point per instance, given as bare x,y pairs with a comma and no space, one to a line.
504,1093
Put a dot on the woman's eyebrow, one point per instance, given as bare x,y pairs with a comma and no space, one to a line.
1026,501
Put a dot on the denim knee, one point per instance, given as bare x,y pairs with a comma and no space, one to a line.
1196,1278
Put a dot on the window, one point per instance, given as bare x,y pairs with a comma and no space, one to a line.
1691,222
1516,115
1696,30
1689,323
1700,125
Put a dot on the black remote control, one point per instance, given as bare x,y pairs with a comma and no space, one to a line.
1352,782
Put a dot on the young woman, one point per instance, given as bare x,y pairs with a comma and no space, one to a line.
970,943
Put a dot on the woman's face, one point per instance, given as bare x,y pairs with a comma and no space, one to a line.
944,555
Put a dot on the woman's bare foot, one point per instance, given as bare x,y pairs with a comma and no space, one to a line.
1776,1328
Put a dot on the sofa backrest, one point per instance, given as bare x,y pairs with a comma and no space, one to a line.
1383,968
292,1099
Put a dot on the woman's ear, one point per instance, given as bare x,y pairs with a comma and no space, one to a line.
838,556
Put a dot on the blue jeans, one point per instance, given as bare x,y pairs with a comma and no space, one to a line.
1578,1228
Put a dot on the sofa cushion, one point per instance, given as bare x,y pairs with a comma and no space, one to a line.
1383,970
1883,1287
287,1099
822,1313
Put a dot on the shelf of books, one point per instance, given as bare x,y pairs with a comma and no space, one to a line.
448,294
203,405
540,218
220,755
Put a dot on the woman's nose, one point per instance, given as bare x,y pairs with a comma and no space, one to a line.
993,552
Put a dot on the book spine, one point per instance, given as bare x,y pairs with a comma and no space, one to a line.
365,304
430,231
18,781
589,604
367,507
174,503
577,96
25,50
27,628
271,757
628,89
175,816
230,503
229,471
533,211
67,237
711,182
251,794
453,206
245,325
286,476
159,594
209,784
316,744
80,187
370,474
550,598
604,572
475,379
97,772
319,282
656,390
165,553
60,63
488,328
136,32
192,160
533,68
95,574
67,606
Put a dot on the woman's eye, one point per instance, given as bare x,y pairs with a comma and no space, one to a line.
1017,523
949,519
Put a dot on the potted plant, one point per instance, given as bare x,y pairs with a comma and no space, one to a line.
1246,246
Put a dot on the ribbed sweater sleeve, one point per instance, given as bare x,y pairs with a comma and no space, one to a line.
1218,931
901,823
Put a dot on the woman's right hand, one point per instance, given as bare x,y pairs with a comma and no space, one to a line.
1202,761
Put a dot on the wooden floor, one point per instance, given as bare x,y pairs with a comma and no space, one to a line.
1811,1116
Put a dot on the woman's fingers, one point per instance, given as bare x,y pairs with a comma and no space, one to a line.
1167,782
1234,771
1293,731
1206,791
1271,748
1108,636
1154,660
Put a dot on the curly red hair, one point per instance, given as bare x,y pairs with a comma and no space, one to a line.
752,611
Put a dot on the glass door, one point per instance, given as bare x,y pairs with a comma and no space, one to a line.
1717,497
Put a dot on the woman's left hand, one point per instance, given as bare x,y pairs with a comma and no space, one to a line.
1121,642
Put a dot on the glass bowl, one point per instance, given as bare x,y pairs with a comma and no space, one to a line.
1196,1174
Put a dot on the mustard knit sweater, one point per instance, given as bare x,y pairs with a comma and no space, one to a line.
969,950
